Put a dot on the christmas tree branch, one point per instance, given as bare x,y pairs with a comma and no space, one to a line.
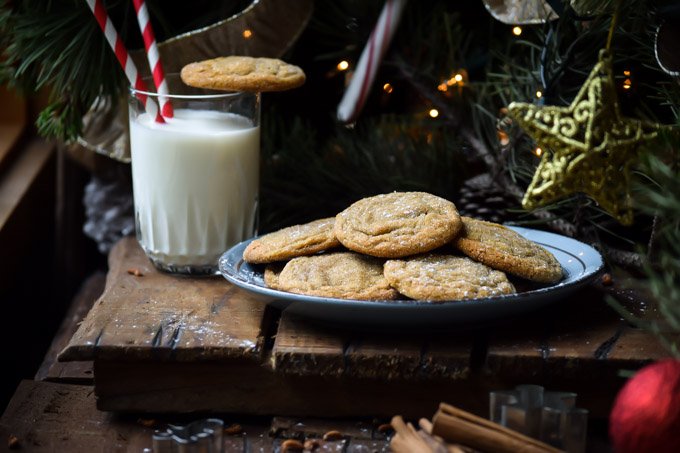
446,109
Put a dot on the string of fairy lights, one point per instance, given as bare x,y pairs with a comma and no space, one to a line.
457,80
454,83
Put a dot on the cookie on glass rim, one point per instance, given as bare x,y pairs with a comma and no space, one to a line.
237,73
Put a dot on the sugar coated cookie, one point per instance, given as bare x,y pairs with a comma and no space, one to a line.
344,275
445,277
297,240
397,224
271,275
504,249
237,73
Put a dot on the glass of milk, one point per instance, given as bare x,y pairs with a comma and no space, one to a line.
195,177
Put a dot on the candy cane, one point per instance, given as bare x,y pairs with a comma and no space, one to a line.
153,56
355,96
116,44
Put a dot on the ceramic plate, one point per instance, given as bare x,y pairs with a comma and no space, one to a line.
581,264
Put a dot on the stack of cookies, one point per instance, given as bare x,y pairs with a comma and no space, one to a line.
411,244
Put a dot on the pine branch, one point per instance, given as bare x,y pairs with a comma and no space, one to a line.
58,45
447,110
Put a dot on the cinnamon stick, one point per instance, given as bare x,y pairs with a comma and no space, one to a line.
407,440
458,426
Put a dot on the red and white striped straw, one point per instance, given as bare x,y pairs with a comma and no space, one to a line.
357,92
97,7
154,57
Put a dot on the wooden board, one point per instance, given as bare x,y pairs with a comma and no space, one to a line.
242,388
303,348
235,355
159,316
25,184
48,417
74,372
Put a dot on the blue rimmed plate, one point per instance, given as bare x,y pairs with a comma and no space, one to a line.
581,264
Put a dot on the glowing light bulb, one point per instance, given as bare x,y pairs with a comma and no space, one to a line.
247,33
343,65
627,84
517,30
503,137
538,151
387,88
539,94
626,73
434,113
442,86
458,77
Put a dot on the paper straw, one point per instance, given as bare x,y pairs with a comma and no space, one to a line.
123,57
154,57
355,96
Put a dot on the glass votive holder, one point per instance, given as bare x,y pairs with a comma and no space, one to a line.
550,417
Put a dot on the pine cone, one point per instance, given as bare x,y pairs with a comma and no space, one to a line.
480,197
109,212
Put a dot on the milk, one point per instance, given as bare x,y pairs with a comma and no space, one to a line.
195,182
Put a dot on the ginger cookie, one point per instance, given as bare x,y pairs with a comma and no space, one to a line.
271,275
345,275
237,73
445,277
397,224
297,240
506,250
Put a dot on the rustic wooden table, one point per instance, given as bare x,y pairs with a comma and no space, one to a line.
164,343
56,412
157,343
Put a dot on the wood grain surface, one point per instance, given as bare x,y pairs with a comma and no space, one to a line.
149,315
73,372
52,417
176,344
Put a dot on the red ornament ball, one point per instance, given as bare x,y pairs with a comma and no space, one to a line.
646,413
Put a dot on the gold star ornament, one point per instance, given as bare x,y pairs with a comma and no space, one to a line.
587,146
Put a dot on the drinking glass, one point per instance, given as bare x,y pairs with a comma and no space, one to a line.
195,176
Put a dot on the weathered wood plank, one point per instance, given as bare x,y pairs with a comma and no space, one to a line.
158,316
256,390
578,341
301,428
245,388
20,175
637,347
449,356
386,357
581,335
72,372
568,338
305,348
341,435
26,182
47,417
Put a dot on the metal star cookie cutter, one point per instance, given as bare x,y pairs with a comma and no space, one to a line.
551,417
201,436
